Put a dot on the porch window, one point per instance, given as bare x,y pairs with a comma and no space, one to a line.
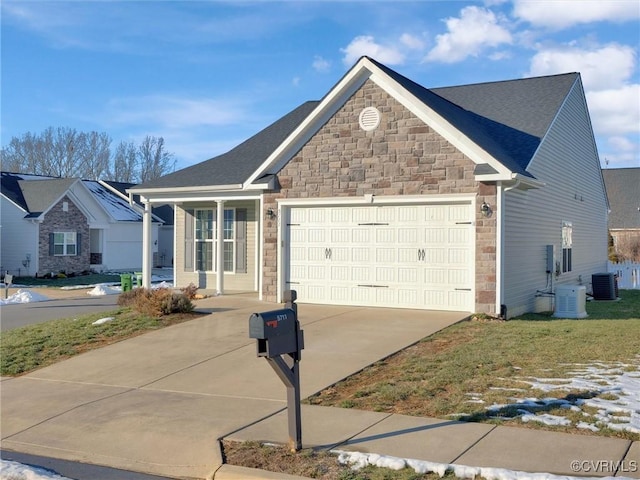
64,243
567,246
206,240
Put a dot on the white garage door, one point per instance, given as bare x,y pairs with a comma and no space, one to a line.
408,256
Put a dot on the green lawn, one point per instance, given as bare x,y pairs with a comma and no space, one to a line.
449,374
35,346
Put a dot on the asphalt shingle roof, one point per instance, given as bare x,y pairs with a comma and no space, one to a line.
238,164
507,119
36,194
623,190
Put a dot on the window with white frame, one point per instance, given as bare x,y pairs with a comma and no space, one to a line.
65,243
567,246
206,238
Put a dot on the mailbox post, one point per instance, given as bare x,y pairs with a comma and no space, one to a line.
280,341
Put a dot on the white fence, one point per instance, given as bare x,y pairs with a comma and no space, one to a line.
628,274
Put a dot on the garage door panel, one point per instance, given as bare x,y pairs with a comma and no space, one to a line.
407,276
413,256
360,274
340,235
385,274
361,255
317,235
385,296
386,236
386,255
407,255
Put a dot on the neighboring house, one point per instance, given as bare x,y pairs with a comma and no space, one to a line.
163,255
477,198
52,225
623,189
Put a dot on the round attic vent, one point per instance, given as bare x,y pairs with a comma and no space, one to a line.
369,118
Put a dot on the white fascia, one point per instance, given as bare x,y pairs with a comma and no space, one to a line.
199,198
346,87
168,191
369,199
438,123
14,203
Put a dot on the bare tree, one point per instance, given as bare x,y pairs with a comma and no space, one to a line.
125,159
154,161
65,152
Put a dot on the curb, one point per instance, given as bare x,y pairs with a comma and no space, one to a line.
232,472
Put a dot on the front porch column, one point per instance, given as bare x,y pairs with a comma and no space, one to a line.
146,246
220,249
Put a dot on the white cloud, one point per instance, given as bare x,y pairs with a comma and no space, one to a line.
609,66
366,45
615,112
468,35
564,13
173,112
411,41
320,64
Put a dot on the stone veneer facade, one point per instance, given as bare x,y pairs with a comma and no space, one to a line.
403,156
57,220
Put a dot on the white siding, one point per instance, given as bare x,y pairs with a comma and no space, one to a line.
567,162
123,246
18,237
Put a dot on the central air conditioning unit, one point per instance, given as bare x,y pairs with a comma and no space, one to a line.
570,301
605,286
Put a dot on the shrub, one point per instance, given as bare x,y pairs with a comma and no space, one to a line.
155,302
129,298
177,303
190,291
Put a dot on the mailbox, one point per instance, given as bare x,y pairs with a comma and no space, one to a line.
277,332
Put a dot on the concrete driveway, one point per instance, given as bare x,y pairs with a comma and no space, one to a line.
159,402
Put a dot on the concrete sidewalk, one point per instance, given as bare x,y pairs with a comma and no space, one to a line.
159,402
448,442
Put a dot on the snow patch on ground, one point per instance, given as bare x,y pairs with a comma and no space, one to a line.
24,296
103,289
358,460
613,389
18,471
103,320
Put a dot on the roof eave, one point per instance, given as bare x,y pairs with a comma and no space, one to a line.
173,190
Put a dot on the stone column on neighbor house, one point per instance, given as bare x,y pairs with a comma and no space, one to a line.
220,248
146,246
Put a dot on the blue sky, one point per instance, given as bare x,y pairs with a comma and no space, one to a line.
206,75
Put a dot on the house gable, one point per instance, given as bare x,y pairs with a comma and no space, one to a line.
499,151
402,158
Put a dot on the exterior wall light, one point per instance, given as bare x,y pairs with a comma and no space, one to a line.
271,214
485,210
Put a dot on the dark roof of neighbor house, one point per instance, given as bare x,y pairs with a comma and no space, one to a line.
163,212
623,190
508,119
37,193
238,164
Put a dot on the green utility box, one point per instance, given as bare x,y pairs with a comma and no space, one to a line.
138,279
125,281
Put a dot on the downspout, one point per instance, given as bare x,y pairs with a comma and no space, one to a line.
500,307
146,246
